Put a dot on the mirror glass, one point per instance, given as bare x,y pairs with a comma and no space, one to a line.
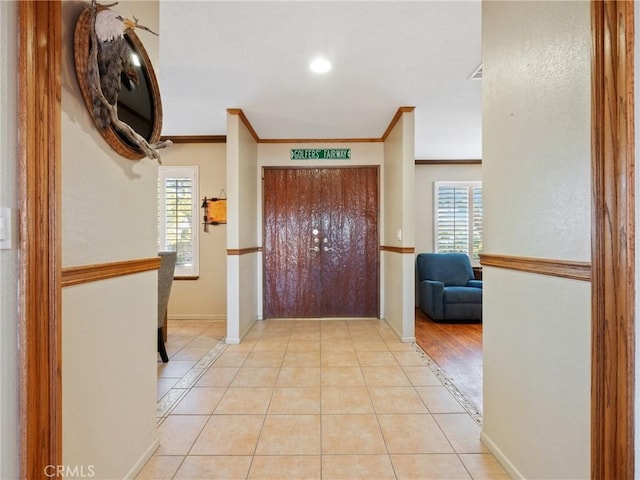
139,104
135,100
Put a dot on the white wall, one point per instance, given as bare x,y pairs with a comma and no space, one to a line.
242,230
9,265
109,209
398,208
536,181
205,298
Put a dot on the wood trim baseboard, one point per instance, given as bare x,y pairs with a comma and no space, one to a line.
542,266
464,161
243,251
388,248
102,271
613,240
195,138
39,196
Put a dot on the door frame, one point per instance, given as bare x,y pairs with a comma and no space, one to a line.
613,238
311,167
613,241
39,302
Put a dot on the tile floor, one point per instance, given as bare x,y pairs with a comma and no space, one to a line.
308,399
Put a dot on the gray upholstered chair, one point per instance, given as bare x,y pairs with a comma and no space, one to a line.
165,279
447,288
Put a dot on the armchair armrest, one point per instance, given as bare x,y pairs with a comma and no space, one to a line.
475,283
432,299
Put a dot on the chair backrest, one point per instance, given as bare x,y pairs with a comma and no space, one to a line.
452,269
165,279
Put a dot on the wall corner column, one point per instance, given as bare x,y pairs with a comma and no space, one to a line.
398,234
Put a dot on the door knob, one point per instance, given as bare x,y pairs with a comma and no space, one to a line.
315,249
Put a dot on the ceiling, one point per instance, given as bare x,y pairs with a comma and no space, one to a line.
255,56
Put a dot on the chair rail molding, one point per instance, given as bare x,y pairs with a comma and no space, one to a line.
243,251
542,266
102,271
390,248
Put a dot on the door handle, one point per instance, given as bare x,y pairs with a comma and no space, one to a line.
315,249
325,240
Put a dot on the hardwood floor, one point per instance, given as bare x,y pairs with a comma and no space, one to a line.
456,347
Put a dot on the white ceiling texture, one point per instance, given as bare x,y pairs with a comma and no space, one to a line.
255,55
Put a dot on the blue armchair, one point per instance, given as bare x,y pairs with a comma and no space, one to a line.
446,287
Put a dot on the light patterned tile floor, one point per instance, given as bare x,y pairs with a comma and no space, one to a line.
309,399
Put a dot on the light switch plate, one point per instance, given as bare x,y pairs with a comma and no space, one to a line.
7,228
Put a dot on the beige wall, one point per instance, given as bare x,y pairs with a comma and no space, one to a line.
536,180
109,209
398,210
9,261
205,298
242,230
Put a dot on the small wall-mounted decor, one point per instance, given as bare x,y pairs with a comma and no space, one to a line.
215,210
117,81
320,154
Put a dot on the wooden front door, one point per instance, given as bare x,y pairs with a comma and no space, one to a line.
321,256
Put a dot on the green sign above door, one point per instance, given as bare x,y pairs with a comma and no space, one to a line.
320,154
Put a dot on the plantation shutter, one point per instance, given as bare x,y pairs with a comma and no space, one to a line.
458,218
177,216
477,223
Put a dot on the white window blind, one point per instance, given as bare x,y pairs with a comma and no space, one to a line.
458,218
178,216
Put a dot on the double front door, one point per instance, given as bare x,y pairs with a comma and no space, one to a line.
320,249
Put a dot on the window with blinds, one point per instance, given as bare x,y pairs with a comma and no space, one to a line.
178,217
458,218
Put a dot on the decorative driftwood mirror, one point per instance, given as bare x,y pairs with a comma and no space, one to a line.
118,84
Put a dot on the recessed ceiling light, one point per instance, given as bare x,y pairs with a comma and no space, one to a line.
320,65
